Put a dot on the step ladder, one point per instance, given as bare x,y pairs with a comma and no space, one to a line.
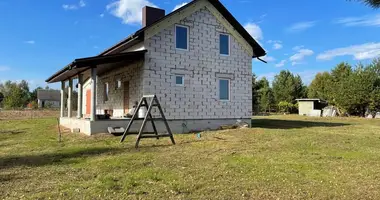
148,117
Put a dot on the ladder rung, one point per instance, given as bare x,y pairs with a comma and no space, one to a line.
154,105
149,96
154,136
149,119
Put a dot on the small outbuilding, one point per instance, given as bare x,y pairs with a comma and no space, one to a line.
49,98
311,107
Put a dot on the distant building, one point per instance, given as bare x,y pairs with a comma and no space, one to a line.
311,107
49,98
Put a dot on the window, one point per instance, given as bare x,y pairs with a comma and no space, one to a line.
181,37
224,89
224,44
118,84
179,80
106,91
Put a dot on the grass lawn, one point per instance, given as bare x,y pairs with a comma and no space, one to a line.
282,157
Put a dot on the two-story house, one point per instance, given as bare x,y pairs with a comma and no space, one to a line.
197,60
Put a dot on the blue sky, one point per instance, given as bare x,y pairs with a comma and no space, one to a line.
37,38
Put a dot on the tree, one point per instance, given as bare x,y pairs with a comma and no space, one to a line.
372,3
266,98
33,95
288,87
320,87
16,95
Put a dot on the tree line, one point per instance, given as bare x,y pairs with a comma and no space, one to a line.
17,95
354,90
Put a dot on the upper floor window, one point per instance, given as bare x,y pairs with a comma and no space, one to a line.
224,44
179,80
224,89
181,37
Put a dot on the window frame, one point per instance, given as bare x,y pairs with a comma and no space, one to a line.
117,86
187,39
106,91
229,89
229,44
183,80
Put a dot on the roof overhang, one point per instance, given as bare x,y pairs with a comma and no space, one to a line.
82,64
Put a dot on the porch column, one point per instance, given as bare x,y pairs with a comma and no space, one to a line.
80,96
93,93
62,98
69,99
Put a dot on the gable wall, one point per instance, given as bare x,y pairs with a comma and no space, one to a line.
202,66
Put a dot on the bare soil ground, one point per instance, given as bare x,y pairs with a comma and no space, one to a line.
27,114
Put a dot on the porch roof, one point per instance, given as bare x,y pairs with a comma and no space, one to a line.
102,61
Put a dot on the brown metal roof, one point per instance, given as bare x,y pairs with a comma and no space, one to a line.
82,64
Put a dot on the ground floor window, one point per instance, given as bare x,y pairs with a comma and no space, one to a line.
224,89
179,80
106,91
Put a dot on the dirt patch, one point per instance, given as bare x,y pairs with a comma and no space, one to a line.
27,114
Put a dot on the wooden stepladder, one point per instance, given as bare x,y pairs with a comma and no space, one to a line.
148,117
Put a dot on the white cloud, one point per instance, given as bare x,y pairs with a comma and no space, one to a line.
130,11
301,26
281,63
254,30
268,58
4,68
277,44
30,42
367,20
179,5
298,57
101,15
359,52
80,4
296,48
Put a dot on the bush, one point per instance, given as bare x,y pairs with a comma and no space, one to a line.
287,107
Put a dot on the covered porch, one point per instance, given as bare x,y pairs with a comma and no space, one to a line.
97,89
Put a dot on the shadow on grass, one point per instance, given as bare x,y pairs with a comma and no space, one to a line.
60,158
16,131
290,124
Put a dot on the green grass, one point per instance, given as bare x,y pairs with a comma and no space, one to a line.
282,157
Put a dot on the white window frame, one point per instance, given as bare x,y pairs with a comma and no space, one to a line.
229,89
117,87
183,80
106,91
188,37
229,44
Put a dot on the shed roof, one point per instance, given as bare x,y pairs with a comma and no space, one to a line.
311,99
51,95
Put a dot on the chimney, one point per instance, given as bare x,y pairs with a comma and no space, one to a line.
151,15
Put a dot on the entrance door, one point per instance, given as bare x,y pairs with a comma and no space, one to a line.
88,102
126,97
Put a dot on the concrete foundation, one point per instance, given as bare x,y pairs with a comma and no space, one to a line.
177,126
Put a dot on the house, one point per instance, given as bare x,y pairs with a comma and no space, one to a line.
311,107
48,98
197,60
